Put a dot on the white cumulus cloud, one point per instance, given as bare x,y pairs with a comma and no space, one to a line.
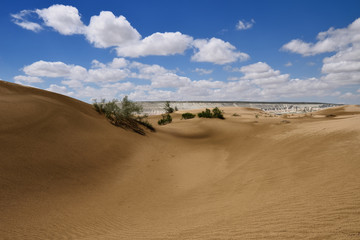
162,44
107,30
64,19
160,77
48,69
59,89
106,75
27,79
216,51
342,68
258,81
329,41
262,74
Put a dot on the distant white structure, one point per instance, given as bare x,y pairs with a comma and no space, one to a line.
156,108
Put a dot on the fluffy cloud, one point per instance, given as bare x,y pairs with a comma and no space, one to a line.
340,69
160,77
47,69
59,89
163,44
265,83
343,68
54,69
107,30
64,19
110,78
119,63
21,79
140,81
329,41
216,51
106,75
243,25
262,74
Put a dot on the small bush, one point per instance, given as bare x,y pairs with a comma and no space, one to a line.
166,118
99,106
216,113
236,115
187,115
205,114
128,116
167,107
129,108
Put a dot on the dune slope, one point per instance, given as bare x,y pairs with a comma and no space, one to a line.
66,173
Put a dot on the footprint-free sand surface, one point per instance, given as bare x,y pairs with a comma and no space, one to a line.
67,173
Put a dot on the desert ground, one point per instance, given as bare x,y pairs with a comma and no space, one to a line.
67,173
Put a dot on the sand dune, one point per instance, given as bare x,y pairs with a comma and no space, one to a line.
66,173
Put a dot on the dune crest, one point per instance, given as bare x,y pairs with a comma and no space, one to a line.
66,172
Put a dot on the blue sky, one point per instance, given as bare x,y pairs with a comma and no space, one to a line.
185,50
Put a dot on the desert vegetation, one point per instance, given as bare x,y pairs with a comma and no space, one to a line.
128,115
187,115
215,113
168,108
166,118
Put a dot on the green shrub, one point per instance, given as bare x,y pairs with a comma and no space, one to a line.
216,113
127,116
187,115
129,109
99,107
205,114
167,107
166,118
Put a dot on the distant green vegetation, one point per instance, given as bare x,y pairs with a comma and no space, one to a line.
216,113
168,108
166,118
205,114
187,115
127,116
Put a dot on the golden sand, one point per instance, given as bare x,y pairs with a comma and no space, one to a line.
67,173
